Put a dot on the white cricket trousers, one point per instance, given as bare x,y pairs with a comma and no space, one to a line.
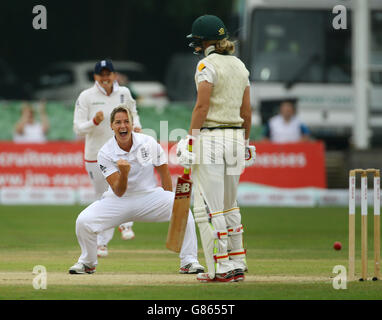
220,154
109,212
100,185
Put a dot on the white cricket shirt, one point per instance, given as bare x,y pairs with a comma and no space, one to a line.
229,77
32,133
91,101
281,131
144,155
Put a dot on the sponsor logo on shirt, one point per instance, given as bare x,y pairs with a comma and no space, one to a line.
145,153
103,168
201,67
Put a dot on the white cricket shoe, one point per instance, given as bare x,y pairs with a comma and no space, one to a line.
127,233
80,268
191,268
102,251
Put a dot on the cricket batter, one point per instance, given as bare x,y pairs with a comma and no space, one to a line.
91,118
220,129
128,161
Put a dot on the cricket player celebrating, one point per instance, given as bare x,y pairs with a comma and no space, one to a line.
219,130
127,161
91,118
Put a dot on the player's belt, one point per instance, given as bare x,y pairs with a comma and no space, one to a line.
220,127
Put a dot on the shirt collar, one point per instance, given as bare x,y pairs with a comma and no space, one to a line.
119,151
292,118
115,87
209,50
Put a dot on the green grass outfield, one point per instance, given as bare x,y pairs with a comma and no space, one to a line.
289,252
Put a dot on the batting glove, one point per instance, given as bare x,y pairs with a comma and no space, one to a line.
250,154
184,157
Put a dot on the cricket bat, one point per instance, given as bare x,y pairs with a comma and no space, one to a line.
180,209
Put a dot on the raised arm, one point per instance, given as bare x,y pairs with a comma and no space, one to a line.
43,117
81,124
19,127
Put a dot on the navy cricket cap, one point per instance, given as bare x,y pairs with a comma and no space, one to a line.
103,64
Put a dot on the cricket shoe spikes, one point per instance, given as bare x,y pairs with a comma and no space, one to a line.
80,268
219,277
191,268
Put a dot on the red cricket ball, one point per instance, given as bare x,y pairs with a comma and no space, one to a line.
337,245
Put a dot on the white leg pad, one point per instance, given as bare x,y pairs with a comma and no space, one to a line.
208,238
235,228
219,223
237,254
235,236
236,251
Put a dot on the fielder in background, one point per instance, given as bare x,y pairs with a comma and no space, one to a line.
91,119
220,129
285,127
128,161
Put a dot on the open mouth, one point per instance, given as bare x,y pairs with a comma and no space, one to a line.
123,133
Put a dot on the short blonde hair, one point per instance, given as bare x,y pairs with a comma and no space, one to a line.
121,108
225,46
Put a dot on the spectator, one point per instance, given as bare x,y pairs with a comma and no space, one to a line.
285,127
27,129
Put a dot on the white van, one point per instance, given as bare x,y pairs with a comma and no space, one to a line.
64,81
292,50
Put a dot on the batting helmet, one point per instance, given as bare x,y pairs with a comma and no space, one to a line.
207,27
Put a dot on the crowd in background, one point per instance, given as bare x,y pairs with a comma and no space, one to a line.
284,127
